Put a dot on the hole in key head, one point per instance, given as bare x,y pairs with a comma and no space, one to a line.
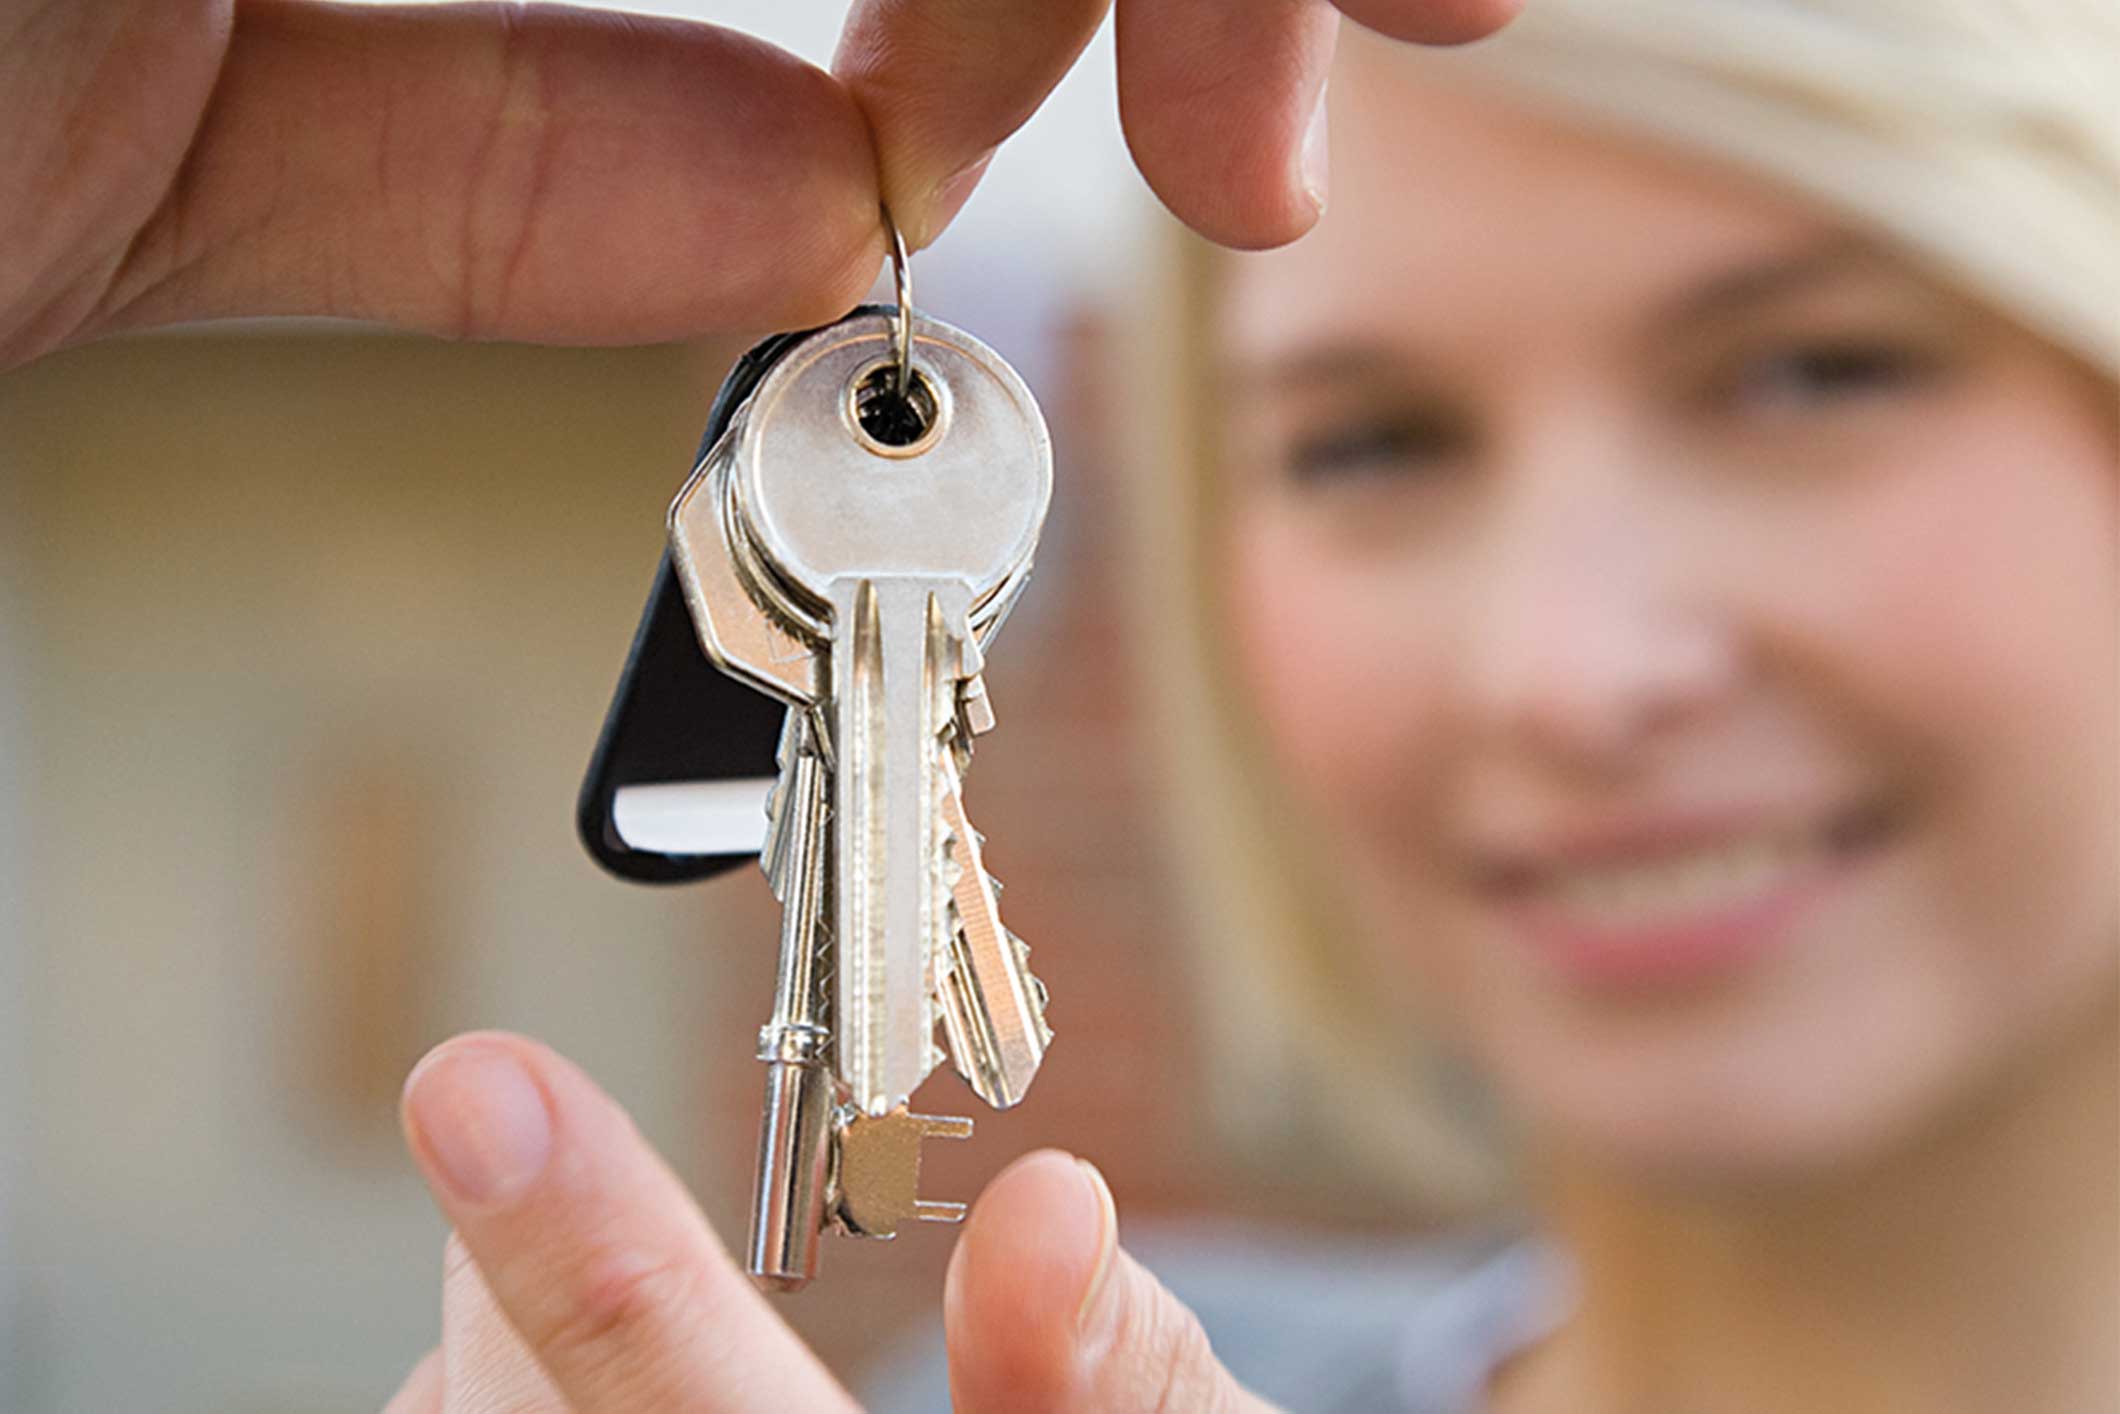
895,423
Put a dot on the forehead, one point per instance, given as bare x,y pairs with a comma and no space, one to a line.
1464,214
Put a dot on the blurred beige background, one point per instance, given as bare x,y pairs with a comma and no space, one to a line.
309,627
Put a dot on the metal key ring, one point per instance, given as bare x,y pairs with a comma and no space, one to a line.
902,324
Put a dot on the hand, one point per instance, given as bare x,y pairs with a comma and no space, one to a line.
494,171
583,1279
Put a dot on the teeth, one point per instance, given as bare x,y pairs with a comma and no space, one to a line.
1675,888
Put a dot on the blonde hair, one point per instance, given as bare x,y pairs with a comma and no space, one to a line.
1982,137
1979,136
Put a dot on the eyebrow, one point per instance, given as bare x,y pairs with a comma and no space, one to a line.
1325,364
1724,294
1750,284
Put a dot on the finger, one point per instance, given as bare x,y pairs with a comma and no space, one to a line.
591,1246
944,81
487,1369
1046,1315
1223,105
99,104
497,171
1223,101
1432,21
422,1391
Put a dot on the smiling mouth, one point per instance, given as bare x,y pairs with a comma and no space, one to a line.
1612,892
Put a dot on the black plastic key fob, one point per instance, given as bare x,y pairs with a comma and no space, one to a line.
676,719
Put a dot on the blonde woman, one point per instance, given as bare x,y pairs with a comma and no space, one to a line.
1650,561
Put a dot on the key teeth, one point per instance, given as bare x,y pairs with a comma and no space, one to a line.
973,1046
1023,951
1040,996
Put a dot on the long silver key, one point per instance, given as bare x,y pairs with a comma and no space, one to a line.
794,1133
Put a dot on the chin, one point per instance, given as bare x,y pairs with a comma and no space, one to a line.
1754,1164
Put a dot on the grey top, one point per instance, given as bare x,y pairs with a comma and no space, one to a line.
1325,1327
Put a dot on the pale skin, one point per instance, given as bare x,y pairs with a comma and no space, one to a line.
1674,552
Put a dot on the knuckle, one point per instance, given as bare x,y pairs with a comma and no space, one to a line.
506,180
617,1309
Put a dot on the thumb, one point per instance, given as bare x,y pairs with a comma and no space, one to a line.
942,82
1045,1314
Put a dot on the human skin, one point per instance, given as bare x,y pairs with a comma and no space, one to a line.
557,175
1695,628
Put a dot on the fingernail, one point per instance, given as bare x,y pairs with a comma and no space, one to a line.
952,192
480,1121
1100,1281
1316,156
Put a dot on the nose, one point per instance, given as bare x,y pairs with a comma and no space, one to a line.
1595,631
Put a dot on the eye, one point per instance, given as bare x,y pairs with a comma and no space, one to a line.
1825,373
1366,448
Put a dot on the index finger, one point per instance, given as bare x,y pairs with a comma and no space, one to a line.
501,171
591,1246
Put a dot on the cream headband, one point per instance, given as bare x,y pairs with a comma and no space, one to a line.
1983,134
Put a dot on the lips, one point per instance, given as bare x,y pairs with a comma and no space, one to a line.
1648,900
1674,887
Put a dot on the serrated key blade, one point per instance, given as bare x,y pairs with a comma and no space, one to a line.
992,1008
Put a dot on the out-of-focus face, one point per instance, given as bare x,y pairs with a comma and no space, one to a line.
1698,633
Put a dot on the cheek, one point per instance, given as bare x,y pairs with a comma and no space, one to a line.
1956,621
1981,606
1343,663
1336,668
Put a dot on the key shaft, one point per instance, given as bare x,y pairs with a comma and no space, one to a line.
887,658
795,1137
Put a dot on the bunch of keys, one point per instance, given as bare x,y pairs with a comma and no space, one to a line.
852,538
